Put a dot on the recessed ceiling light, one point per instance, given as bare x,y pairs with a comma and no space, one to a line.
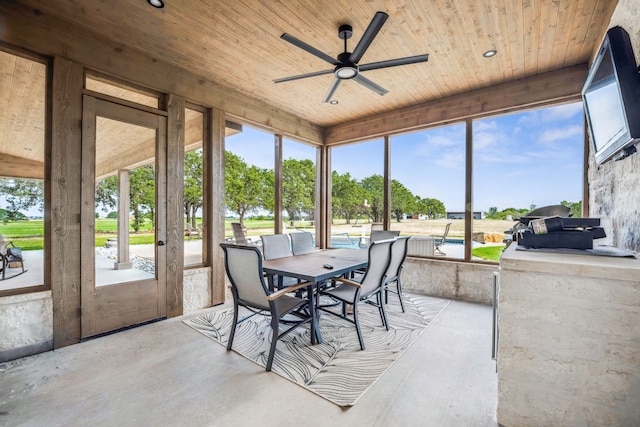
156,3
490,53
333,102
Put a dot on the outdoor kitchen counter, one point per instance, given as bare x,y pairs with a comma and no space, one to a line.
568,347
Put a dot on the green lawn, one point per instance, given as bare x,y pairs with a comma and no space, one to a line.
490,253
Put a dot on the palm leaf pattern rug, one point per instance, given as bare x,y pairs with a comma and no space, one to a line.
337,369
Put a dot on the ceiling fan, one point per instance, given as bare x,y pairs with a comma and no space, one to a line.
346,64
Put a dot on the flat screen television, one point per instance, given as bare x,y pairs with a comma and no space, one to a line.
611,98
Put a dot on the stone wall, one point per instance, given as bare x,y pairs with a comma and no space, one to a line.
196,289
26,325
449,279
614,187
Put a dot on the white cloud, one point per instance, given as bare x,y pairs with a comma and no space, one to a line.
562,112
556,134
482,125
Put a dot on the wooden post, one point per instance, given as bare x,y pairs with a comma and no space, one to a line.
277,171
123,261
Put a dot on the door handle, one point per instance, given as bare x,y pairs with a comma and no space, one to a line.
161,243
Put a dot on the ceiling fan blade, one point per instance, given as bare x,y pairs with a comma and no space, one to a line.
303,76
312,50
332,90
394,62
370,33
370,85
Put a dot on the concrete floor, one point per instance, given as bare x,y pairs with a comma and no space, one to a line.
167,374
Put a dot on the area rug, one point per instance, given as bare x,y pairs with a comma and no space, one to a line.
337,369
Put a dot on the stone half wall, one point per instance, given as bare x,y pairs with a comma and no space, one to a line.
26,321
449,279
614,187
196,289
26,325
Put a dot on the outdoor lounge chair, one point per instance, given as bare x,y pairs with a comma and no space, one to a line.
244,270
190,230
351,292
442,240
10,256
239,235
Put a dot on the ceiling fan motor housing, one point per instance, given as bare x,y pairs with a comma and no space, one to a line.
345,69
345,31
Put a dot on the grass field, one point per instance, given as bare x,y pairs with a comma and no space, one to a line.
29,234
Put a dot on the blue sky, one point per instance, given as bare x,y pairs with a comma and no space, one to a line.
522,159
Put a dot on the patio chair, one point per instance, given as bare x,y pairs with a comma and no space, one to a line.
302,243
351,292
276,246
442,241
398,256
239,235
374,237
383,235
10,257
190,230
244,270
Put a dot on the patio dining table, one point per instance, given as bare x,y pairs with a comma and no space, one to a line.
311,268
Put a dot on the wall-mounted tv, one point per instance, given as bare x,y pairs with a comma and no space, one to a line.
611,96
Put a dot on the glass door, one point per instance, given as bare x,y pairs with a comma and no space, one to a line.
123,218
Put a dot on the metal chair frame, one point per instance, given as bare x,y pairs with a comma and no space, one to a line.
351,292
243,265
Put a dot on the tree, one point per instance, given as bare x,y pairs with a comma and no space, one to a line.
575,208
347,196
142,195
492,213
298,187
107,193
432,208
21,194
192,185
246,187
374,188
402,200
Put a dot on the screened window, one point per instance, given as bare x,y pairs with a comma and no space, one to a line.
357,193
249,182
428,189
22,166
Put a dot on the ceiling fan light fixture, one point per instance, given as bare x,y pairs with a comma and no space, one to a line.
344,72
490,53
333,102
156,3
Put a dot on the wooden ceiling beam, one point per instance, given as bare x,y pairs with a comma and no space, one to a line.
18,167
531,92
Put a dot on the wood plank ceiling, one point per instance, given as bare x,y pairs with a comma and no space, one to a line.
237,43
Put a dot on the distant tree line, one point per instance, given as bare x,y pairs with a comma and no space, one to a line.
250,189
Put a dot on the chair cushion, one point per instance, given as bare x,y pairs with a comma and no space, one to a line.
285,303
344,293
